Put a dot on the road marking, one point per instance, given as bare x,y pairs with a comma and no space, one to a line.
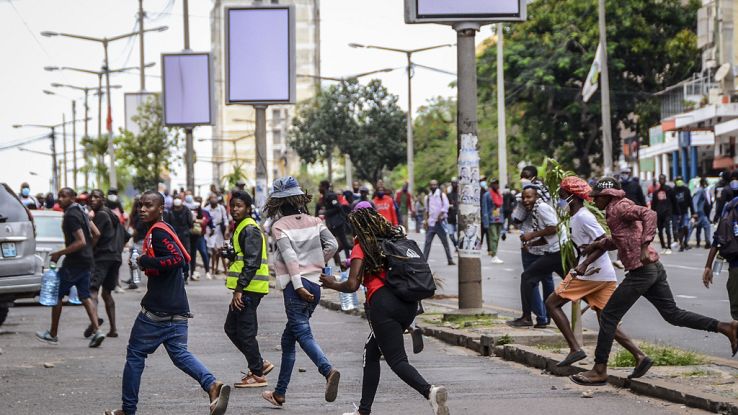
686,296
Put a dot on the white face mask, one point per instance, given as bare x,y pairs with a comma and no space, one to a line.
113,198
177,202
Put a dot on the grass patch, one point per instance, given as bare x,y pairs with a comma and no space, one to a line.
552,346
503,340
661,355
698,373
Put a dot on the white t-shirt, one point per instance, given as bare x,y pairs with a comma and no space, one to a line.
543,216
584,230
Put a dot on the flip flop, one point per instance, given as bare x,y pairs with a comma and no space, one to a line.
641,369
269,396
581,380
220,404
572,358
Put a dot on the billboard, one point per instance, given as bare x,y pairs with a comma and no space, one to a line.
260,55
133,101
456,11
186,89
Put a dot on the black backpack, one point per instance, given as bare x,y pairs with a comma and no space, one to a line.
408,275
121,237
726,239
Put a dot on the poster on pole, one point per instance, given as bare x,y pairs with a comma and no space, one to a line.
457,11
186,94
470,220
260,55
134,100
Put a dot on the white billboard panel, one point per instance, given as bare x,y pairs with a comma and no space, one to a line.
186,88
133,101
260,55
455,11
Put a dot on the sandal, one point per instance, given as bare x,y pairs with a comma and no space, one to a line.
271,397
581,380
220,404
572,358
641,369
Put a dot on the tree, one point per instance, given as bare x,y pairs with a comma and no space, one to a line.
435,141
363,121
152,150
650,47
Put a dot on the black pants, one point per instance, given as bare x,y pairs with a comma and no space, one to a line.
388,317
648,281
344,244
434,230
241,327
662,222
535,274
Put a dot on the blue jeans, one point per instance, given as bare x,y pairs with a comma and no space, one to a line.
536,302
146,336
298,330
702,223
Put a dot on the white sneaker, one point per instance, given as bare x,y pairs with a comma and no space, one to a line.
196,276
674,245
356,411
208,276
437,397
497,260
667,252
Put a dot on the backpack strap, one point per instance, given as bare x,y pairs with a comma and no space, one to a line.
148,249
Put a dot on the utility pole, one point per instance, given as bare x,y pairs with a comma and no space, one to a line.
87,136
109,121
605,94
470,265
189,144
55,170
410,138
261,145
141,43
64,147
501,127
74,144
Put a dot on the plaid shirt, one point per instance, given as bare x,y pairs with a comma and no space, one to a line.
631,226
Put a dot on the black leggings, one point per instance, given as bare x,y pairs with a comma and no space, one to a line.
662,222
389,317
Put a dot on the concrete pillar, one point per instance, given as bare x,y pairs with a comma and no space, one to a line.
674,164
693,162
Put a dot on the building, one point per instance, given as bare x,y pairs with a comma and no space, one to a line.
699,116
233,125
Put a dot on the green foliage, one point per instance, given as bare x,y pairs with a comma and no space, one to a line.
363,121
435,141
238,173
661,355
650,46
551,175
150,152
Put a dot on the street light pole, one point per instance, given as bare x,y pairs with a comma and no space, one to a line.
141,44
74,144
189,142
605,93
84,149
55,171
64,147
501,127
109,122
261,144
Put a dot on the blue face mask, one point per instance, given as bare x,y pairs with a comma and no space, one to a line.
25,191
188,199
564,203
483,184
734,185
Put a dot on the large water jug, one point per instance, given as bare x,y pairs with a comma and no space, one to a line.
349,301
50,286
73,297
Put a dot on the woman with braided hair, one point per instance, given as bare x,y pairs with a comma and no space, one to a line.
388,315
304,246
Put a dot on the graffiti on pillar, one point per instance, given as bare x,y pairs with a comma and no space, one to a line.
470,229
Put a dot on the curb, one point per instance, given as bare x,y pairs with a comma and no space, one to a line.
529,356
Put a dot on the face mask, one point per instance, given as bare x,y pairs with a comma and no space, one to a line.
483,184
734,185
680,183
188,199
177,202
25,191
380,194
624,177
113,198
524,182
564,203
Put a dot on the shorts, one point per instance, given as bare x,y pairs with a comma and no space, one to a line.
74,277
595,293
105,275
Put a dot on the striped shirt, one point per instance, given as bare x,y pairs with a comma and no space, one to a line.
304,246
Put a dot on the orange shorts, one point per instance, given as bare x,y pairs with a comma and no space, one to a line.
595,293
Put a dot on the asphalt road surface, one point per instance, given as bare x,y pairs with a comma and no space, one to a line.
88,381
500,287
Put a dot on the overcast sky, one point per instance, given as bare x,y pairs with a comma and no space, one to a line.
25,53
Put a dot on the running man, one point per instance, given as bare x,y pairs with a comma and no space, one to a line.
593,279
633,228
164,313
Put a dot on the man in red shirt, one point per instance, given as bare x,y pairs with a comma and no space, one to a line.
404,199
384,204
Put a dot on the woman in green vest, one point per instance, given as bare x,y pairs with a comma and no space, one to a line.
248,277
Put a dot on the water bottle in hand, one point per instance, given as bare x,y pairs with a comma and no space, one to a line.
135,271
349,301
717,268
50,286
73,297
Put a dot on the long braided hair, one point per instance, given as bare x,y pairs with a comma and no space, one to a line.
273,206
369,227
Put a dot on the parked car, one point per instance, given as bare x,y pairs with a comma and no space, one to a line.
20,267
49,234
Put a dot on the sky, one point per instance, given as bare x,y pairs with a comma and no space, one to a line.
25,53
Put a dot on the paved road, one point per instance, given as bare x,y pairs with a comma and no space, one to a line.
87,381
501,288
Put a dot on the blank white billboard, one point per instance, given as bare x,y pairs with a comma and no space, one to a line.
133,101
455,11
186,88
260,55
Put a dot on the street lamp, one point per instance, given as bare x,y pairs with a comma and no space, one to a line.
106,69
409,54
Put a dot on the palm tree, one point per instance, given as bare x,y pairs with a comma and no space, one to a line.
97,148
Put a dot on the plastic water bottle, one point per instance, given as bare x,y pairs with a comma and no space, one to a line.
50,286
717,267
349,301
73,297
135,272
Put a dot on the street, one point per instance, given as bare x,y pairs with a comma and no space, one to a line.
500,287
88,381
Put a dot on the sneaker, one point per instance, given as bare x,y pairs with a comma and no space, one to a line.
667,252
355,412
251,381
97,339
195,276
46,337
88,331
416,335
266,368
208,276
331,385
437,397
132,286
618,264
674,245
497,260
519,322
119,289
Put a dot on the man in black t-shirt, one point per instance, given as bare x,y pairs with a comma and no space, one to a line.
79,236
107,259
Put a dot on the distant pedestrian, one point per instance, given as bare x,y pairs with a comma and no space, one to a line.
216,238
436,212
664,203
682,216
722,193
202,225
493,217
725,242
304,246
181,220
335,219
701,207
248,277
419,211
404,200
164,313
384,204
633,228
632,187
30,202
453,213
389,316
508,204
80,234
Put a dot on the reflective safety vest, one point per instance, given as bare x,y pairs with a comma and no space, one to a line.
260,283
